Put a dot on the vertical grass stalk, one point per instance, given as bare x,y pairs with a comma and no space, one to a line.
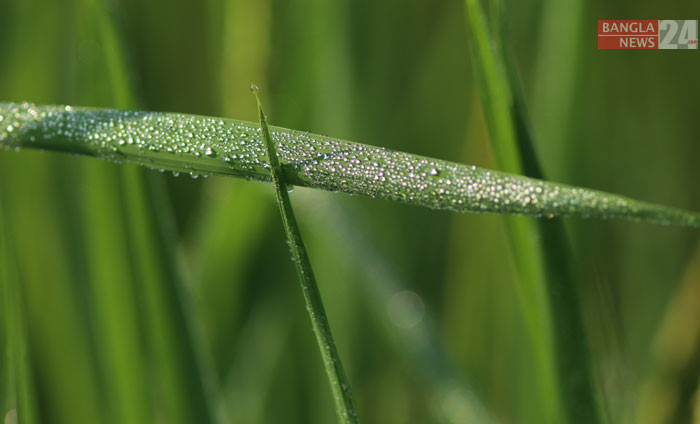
548,286
572,355
342,395
183,384
19,365
671,388
495,100
114,298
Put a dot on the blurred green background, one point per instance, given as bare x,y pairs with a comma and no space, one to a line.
154,298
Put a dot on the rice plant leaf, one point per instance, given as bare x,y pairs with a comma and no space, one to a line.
185,384
421,346
115,303
345,407
179,379
215,146
670,388
496,100
19,363
548,283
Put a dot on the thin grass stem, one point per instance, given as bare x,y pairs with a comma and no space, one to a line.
345,406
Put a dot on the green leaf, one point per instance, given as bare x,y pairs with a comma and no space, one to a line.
345,406
19,365
183,381
126,212
203,145
115,300
548,286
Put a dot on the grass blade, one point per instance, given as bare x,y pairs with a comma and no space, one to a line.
667,394
114,297
233,217
258,354
548,285
181,375
114,54
19,363
421,346
557,71
345,406
228,235
49,289
201,145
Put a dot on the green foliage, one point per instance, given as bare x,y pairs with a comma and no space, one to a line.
345,406
18,364
214,146
549,289
424,304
